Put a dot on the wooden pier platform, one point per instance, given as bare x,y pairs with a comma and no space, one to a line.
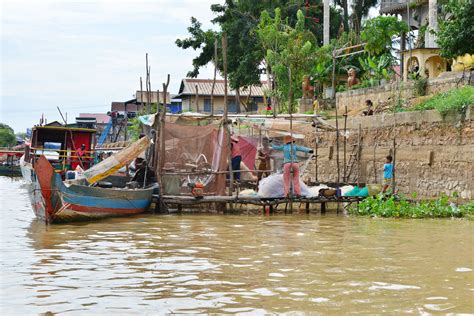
185,200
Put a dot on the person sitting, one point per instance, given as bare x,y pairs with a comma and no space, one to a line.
143,172
290,164
236,157
369,111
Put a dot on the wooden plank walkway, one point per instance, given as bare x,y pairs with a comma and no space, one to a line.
186,200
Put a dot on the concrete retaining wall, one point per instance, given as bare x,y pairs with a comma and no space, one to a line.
433,155
355,99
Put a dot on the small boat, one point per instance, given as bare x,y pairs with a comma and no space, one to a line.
58,201
10,167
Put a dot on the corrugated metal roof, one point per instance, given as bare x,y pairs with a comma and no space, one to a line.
100,117
188,87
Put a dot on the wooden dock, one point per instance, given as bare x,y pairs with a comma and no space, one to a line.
181,201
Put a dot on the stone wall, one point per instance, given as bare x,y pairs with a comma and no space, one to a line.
433,156
355,99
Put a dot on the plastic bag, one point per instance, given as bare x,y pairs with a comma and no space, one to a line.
272,186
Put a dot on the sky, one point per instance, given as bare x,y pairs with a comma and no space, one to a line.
82,55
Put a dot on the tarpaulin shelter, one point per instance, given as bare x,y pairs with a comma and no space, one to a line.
194,149
248,150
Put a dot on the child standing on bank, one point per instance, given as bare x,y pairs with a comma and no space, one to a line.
387,173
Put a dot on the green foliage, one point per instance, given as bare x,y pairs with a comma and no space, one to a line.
7,137
456,28
360,9
420,84
453,101
375,69
382,206
288,50
378,33
199,40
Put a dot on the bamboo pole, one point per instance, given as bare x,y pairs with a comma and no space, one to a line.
290,108
394,155
161,148
375,170
359,153
147,85
344,177
226,113
316,145
141,94
214,80
197,98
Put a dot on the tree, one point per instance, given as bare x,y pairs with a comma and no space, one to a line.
456,28
360,9
199,39
379,34
239,20
7,136
290,53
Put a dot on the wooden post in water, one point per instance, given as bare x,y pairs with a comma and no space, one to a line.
162,148
316,145
394,155
375,170
162,123
226,113
359,152
337,151
290,109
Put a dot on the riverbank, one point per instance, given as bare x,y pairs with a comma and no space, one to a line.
433,155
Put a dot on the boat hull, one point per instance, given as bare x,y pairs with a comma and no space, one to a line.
10,171
58,203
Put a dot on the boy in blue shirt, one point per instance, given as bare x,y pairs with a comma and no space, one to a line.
387,173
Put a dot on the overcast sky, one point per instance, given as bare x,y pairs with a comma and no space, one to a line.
82,55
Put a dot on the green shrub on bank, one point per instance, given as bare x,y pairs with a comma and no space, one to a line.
453,101
381,206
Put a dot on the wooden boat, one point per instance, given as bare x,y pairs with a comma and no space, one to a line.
10,167
57,201
54,200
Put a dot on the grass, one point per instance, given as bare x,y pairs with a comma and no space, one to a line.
381,206
453,101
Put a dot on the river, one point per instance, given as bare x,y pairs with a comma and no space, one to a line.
229,264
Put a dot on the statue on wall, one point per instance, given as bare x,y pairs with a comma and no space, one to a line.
352,78
308,89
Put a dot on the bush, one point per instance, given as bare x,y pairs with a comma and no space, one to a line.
453,101
381,206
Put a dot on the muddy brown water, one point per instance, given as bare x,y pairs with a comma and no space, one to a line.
229,264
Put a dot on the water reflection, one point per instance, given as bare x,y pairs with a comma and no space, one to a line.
254,265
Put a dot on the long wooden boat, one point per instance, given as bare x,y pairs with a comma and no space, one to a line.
56,201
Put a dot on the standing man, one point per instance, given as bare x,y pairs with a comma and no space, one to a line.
263,154
290,163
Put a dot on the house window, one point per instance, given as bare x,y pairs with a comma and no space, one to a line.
207,105
232,106
253,107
